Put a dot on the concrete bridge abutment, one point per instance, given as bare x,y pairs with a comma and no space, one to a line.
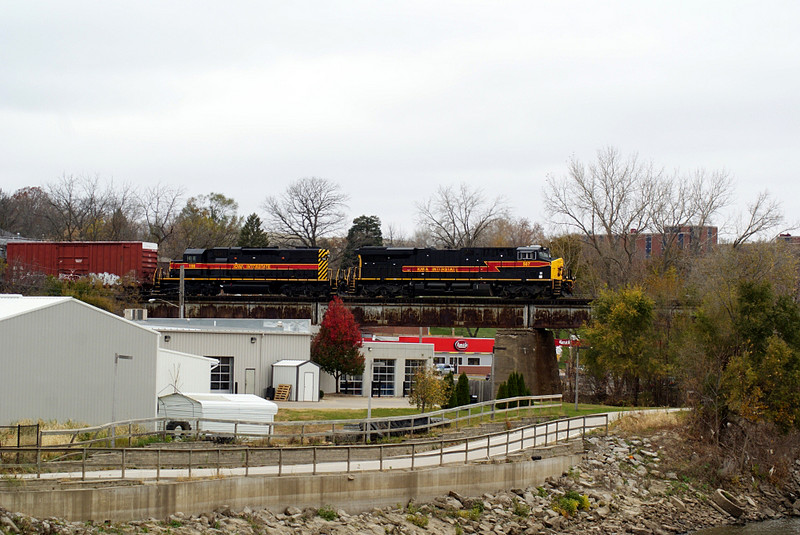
531,352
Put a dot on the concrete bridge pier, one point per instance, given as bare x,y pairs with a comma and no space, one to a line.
531,352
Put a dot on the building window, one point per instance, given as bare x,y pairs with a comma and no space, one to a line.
411,367
383,377
455,361
648,246
680,240
222,375
351,384
438,360
473,361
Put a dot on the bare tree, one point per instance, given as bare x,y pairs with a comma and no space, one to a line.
688,201
763,214
68,215
310,208
160,205
608,202
459,217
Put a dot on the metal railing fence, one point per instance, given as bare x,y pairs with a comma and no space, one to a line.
141,431
216,461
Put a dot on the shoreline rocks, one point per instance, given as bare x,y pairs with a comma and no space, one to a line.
623,485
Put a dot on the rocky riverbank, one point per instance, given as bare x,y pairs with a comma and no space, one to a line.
623,485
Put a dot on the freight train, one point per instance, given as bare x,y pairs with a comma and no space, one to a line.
513,272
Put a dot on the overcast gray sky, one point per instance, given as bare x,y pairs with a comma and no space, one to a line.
391,99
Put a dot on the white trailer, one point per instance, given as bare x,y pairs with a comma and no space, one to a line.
186,411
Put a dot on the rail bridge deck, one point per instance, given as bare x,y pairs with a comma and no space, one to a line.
420,311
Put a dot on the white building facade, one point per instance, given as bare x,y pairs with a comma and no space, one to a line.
388,369
245,349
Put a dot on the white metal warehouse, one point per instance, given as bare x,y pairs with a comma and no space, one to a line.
245,348
63,359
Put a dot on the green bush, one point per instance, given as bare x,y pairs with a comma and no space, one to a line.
520,508
418,519
570,503
326,512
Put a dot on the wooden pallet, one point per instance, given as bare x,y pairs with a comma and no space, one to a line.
282,393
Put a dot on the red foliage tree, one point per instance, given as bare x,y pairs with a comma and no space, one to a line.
336,348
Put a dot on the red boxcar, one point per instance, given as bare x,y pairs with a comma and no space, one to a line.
71,260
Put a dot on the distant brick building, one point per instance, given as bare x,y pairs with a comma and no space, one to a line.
788,238
688,238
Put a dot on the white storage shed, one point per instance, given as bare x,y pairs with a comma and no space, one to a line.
185,409
303,375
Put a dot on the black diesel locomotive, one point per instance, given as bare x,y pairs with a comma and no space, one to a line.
525,272
250,270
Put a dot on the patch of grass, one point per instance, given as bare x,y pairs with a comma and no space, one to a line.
642,423
520,508
418,519
541,492
326,512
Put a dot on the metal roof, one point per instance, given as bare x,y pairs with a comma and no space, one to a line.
293,363
257,326
12,305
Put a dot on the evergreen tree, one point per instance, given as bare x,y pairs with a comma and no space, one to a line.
252,235
451,389
366,230
462,390
502,393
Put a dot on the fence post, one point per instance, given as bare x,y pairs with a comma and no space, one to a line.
488,446
348,458
247,462
38,463
314,461
441,453
123,464
190,464
219,459
235,431
83,465
280,461
380,457
158,464
508,439
413,451
606,424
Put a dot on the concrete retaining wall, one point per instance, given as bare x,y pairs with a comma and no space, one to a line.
354,492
